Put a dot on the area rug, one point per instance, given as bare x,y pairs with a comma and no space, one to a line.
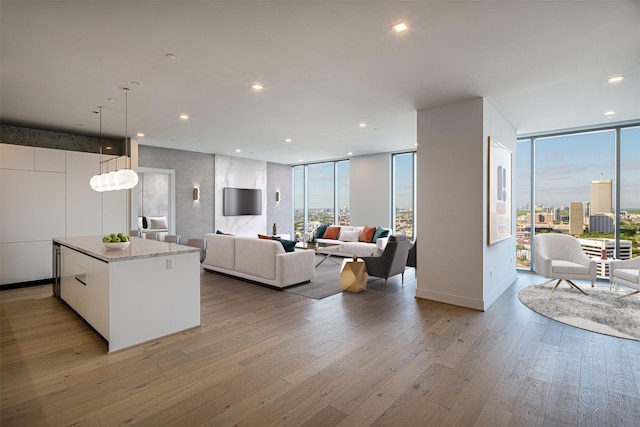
601,311
326,282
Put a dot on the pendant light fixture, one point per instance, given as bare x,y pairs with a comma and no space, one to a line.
126,178
119,179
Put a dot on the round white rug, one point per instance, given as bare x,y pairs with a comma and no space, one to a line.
601,311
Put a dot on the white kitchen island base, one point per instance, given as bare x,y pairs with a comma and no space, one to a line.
147,291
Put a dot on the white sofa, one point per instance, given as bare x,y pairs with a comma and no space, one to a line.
348,239
155,224
258,260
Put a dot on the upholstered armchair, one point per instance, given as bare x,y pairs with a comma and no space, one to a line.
626,272
560,256
392,261
412,258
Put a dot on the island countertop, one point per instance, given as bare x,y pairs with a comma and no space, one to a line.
138,249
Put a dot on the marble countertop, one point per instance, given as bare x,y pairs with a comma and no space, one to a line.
138,249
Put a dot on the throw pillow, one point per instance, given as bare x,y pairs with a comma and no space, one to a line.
144,222
349,235
264,237
367,234
159,222
219,232
320,231
331,232
288,245
380,232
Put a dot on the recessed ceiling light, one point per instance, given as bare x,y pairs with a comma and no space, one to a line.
238,150
349,153
112,99
616,79
300,160
609,113
134,83
400,27
140,135
288,140
184,117
108,147
170,56
257,87
362,125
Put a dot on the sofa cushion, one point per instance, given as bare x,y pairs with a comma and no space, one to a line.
331,232
320,230
349,235
380,232
628,274
257,257
223,251
367,234
568,267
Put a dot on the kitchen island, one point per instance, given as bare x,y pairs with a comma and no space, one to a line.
129,296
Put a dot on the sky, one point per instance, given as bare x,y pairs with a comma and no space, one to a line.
566,165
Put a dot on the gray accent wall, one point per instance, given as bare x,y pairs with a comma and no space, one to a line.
193,218
279,178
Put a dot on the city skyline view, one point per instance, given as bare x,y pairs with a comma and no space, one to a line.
566,165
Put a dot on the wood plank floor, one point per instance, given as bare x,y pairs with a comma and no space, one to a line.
265,357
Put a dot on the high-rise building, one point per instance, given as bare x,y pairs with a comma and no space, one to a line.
576,218
601,200
601,223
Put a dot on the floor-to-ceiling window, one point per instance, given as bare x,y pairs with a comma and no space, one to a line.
630,188
404,193
523,203
575,182
321,195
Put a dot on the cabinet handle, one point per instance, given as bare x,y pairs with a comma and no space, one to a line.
81,278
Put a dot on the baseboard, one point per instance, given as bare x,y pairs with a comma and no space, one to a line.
450,299
25,284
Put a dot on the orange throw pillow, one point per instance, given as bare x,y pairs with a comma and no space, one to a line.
331,232
264,236
367,234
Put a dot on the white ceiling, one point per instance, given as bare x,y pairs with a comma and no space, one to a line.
326,66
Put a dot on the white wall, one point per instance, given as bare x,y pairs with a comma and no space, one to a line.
370,190
499,258
454,261
240,173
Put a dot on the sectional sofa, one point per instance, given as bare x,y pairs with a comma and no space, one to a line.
349,239
258,260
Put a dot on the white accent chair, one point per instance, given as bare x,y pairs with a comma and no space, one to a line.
560,256
626,272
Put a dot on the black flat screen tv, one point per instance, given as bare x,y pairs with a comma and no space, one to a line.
241,201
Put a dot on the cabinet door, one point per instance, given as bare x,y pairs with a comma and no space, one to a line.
84,205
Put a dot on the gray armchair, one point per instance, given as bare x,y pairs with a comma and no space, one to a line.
392,261
626,272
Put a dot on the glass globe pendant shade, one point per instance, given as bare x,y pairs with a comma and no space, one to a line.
94,182
126,179
111,181
102,185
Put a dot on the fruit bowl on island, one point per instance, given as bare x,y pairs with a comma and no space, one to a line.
114,242
110,246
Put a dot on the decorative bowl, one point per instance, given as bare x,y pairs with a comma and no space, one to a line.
110,246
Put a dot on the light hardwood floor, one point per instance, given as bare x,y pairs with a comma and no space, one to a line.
265,357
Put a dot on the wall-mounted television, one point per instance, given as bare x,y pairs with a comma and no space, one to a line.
241,201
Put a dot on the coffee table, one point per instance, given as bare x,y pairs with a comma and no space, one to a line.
323,249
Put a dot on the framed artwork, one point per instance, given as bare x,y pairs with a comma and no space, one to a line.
500,171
